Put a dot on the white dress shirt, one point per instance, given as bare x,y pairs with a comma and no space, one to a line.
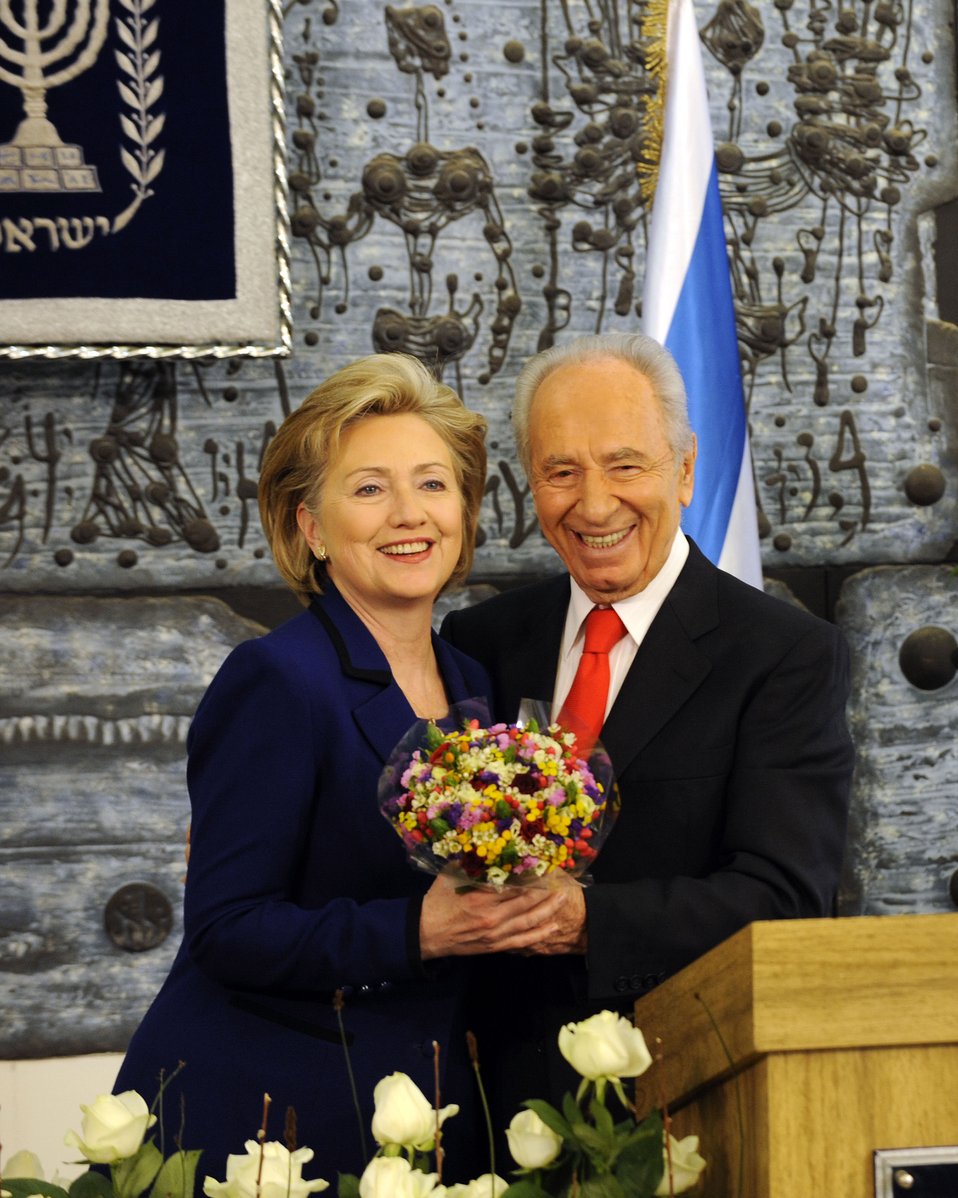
636,613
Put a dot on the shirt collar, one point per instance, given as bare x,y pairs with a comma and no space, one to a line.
637,611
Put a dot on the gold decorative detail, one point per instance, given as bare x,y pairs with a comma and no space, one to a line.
655,28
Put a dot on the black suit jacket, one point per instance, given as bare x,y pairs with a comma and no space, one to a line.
733,760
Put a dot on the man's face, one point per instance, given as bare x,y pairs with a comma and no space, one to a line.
608,489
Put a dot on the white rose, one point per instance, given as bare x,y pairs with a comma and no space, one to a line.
532,1143
403,1115
113,1128
604,1046
282,1174
489,1185
24,1164
394,1177
686,1166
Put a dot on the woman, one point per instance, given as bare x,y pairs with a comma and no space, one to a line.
297,886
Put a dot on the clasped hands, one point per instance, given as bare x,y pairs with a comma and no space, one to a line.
531,920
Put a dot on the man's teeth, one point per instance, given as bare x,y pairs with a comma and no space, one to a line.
606,542
409,547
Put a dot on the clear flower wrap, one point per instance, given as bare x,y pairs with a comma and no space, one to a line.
498,804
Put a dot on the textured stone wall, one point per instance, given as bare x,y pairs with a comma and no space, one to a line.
462,184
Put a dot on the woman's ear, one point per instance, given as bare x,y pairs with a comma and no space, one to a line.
309,527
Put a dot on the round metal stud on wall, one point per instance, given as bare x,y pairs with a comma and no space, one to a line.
138,917
928,657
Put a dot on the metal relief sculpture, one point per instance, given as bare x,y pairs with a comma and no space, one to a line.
470,188
423,193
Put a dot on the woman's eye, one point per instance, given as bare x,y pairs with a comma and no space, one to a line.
369,489
434,484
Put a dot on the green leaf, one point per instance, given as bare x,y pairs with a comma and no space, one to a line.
23,1187
602,1119
570,1108
347,1186
606,1186
177,1175
91,1185
551,1117
134,1175
650,1129
525,1188
640,1165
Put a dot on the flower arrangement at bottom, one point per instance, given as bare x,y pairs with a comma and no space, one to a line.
500,804
578,1152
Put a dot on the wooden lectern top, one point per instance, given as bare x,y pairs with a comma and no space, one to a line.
801,985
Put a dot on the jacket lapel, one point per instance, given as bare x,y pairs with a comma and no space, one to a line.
537,625
380,710
669,666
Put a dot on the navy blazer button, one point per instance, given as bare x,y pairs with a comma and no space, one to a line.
635,982
621,985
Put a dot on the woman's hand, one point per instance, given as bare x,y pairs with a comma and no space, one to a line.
523,919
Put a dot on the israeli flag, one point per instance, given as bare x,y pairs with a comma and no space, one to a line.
687,305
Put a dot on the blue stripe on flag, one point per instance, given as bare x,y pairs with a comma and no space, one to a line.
703,341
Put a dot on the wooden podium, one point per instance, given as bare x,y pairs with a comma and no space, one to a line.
796,1048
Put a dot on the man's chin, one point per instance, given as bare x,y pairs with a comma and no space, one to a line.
609,586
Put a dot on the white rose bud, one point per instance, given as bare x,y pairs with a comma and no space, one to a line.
489,1185
113,1128
394,1177
282,1174
403,1115
604,1046
686,1166
532,1143
24,1164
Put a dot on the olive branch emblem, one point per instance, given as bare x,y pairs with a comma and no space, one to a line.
143,88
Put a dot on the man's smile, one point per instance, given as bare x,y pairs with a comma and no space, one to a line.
608,541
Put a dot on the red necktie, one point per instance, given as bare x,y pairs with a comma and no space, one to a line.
584,708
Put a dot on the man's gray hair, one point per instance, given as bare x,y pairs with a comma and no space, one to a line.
643,353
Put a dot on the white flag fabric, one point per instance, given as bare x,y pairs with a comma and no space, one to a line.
687,305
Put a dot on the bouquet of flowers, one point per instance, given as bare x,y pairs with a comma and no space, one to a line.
501,803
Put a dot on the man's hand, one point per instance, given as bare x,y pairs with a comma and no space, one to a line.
527,920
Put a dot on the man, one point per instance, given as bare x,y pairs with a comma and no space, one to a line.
725,717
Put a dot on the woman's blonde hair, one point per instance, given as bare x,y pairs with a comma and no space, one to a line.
297,459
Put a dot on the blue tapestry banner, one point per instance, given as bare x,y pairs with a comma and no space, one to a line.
120,122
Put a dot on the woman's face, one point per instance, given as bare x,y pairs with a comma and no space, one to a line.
390,513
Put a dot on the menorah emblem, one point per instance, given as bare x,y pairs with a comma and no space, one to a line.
51,52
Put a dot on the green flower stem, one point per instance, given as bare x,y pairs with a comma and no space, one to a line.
474,1057
338,1008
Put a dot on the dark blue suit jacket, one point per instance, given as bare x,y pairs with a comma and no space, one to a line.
734,762
297,886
